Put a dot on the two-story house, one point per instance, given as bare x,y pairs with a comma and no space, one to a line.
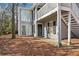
55,21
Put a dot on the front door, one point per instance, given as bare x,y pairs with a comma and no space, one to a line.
23,30
39,30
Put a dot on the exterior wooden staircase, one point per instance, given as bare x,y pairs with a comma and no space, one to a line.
74,24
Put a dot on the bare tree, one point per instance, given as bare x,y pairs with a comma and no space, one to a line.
16,11
13,21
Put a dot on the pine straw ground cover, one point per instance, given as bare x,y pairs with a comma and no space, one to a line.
30,46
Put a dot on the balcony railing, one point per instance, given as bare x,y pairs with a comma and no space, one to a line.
46,8
66,4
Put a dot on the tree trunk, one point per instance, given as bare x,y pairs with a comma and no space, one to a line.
17,18
1,22
13,21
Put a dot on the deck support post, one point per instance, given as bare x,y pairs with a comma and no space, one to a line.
35,24
58,27
19,22
45,30
69,28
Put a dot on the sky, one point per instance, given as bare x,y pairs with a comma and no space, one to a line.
26,5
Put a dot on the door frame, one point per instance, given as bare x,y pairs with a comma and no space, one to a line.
42,28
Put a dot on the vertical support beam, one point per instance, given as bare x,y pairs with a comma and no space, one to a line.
36,30
58,27
19,22
45,30
35,23
69,28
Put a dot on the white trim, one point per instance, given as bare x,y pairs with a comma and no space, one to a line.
69,28
45,30
35,23
58,27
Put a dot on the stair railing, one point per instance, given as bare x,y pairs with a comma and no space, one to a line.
75,11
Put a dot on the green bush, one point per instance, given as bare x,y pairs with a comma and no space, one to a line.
6,25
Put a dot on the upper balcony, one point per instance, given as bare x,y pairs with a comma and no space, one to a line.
66,5
46,8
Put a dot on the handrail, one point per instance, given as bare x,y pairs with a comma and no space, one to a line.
75,9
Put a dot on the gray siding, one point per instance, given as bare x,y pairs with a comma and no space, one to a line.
25,20
63,30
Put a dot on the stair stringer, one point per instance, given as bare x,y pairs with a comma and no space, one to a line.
72,34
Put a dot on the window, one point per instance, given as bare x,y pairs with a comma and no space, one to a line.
54,27
33,28
26,15
54,23
48,24
38,8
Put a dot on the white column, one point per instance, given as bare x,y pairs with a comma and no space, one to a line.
45,30
19,22
35,23
36,30
69,28
58,27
